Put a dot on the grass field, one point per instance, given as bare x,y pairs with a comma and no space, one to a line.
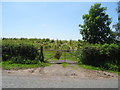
49,55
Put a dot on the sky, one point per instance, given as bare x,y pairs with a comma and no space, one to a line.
54,20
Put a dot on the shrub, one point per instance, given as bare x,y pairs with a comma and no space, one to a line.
89,55
22,51
58,55
106,55
22,60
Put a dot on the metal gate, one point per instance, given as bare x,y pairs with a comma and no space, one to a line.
64,56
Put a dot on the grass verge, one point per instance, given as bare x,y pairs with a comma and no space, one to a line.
96,68
6,65
0,64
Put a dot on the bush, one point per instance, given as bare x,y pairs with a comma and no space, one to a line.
89,55
111,66
22,60
106,55
18,51
58,55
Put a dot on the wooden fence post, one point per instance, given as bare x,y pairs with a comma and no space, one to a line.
41,56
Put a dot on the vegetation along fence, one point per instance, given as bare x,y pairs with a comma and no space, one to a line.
98,55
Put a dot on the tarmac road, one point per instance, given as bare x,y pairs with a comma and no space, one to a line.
17,81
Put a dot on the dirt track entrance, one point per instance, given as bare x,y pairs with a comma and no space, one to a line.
57,70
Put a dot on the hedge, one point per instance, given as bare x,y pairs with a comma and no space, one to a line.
105,55
16,52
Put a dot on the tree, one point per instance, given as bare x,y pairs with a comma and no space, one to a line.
117,26
96,25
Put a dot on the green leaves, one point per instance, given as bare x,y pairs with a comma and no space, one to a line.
105,55
19,53
117,26
58,55
96,25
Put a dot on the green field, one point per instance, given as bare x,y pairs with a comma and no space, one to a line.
49,55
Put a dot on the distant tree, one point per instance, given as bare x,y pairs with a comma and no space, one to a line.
117,26
52,41
47,40
70,42
96,25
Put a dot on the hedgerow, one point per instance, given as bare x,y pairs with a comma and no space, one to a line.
105,56
16,52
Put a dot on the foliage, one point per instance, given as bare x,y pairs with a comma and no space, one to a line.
22,60
105,56
19,53
46,43
96,25
58,55
117,26
49,52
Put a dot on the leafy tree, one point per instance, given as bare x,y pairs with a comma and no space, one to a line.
96,25
117,26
